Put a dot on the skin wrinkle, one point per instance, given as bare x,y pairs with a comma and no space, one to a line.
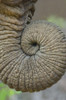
20,70
48,64
15,66
51,33
46,72
4,42
7,67
11,19
9,11
23,77
50,41
53,49
52,64
31,78
9,61
14,27
32,55
44,77
9,51
32,75
37,74
54,60
28,75
12,2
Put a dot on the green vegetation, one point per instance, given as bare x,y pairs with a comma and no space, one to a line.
6,92
58,21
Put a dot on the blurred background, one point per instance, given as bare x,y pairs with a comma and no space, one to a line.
52,11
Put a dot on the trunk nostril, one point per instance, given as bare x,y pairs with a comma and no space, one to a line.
34,44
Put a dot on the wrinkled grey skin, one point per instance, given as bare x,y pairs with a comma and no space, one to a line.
12,2
32,57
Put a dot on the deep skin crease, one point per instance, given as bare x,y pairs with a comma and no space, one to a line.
12,2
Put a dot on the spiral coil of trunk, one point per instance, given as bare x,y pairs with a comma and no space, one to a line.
32,57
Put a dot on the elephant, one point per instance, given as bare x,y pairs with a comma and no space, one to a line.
32,53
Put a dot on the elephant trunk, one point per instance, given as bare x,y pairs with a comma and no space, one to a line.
13,20
32,57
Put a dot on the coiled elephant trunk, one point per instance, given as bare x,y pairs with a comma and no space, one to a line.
32,57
